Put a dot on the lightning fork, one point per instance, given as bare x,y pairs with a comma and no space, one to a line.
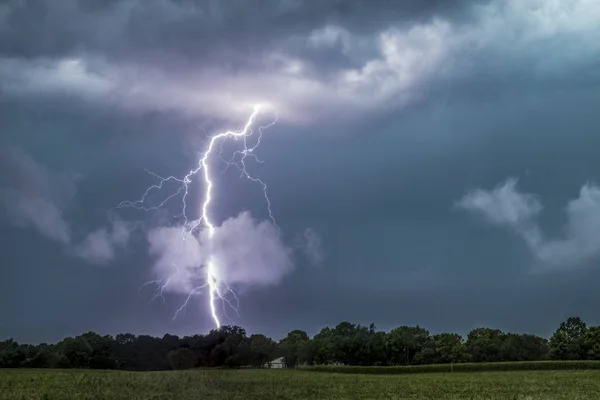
213,280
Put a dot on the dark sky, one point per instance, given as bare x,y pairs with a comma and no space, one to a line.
432,163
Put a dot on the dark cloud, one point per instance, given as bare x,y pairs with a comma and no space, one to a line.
191,28
329,56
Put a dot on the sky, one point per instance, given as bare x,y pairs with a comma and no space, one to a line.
430,163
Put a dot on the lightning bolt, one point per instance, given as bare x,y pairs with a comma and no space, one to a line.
161,285
217,288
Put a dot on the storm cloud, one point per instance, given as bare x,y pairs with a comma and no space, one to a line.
137,54
391,117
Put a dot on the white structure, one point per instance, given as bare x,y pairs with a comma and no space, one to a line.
276,363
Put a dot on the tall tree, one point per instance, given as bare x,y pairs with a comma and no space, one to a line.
403,343
123,351
592,343
291,347
262,348
77,350
567,343
485,344
450,348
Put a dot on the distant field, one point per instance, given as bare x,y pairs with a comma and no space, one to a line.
465,367
283,384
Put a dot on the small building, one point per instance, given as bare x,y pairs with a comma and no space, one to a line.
276,363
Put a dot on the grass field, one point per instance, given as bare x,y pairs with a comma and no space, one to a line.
464,367
283,384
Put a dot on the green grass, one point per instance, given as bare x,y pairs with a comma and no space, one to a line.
282,384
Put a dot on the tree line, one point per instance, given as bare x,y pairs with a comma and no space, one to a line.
346,344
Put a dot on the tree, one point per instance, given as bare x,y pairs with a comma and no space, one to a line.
229,346
101,361
12,355
77,351
101,345
371,349
450,348
123,351
182,358
262,348
346,343
523,348
152,354
291,345
484,344
591,343
58,360
567,343
320,349
403,343
40,360
560,348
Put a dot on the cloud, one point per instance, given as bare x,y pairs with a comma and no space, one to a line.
311,246
508,207
33,196
99,246
248,253
131,27
38,213
311,63
178,257
504,205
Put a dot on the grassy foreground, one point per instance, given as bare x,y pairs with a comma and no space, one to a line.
282,384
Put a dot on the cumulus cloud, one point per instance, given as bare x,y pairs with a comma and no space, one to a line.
247,252
142,58
99,246
33,196
250,251
507,206
504,205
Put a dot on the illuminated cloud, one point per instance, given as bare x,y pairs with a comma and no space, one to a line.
249,253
